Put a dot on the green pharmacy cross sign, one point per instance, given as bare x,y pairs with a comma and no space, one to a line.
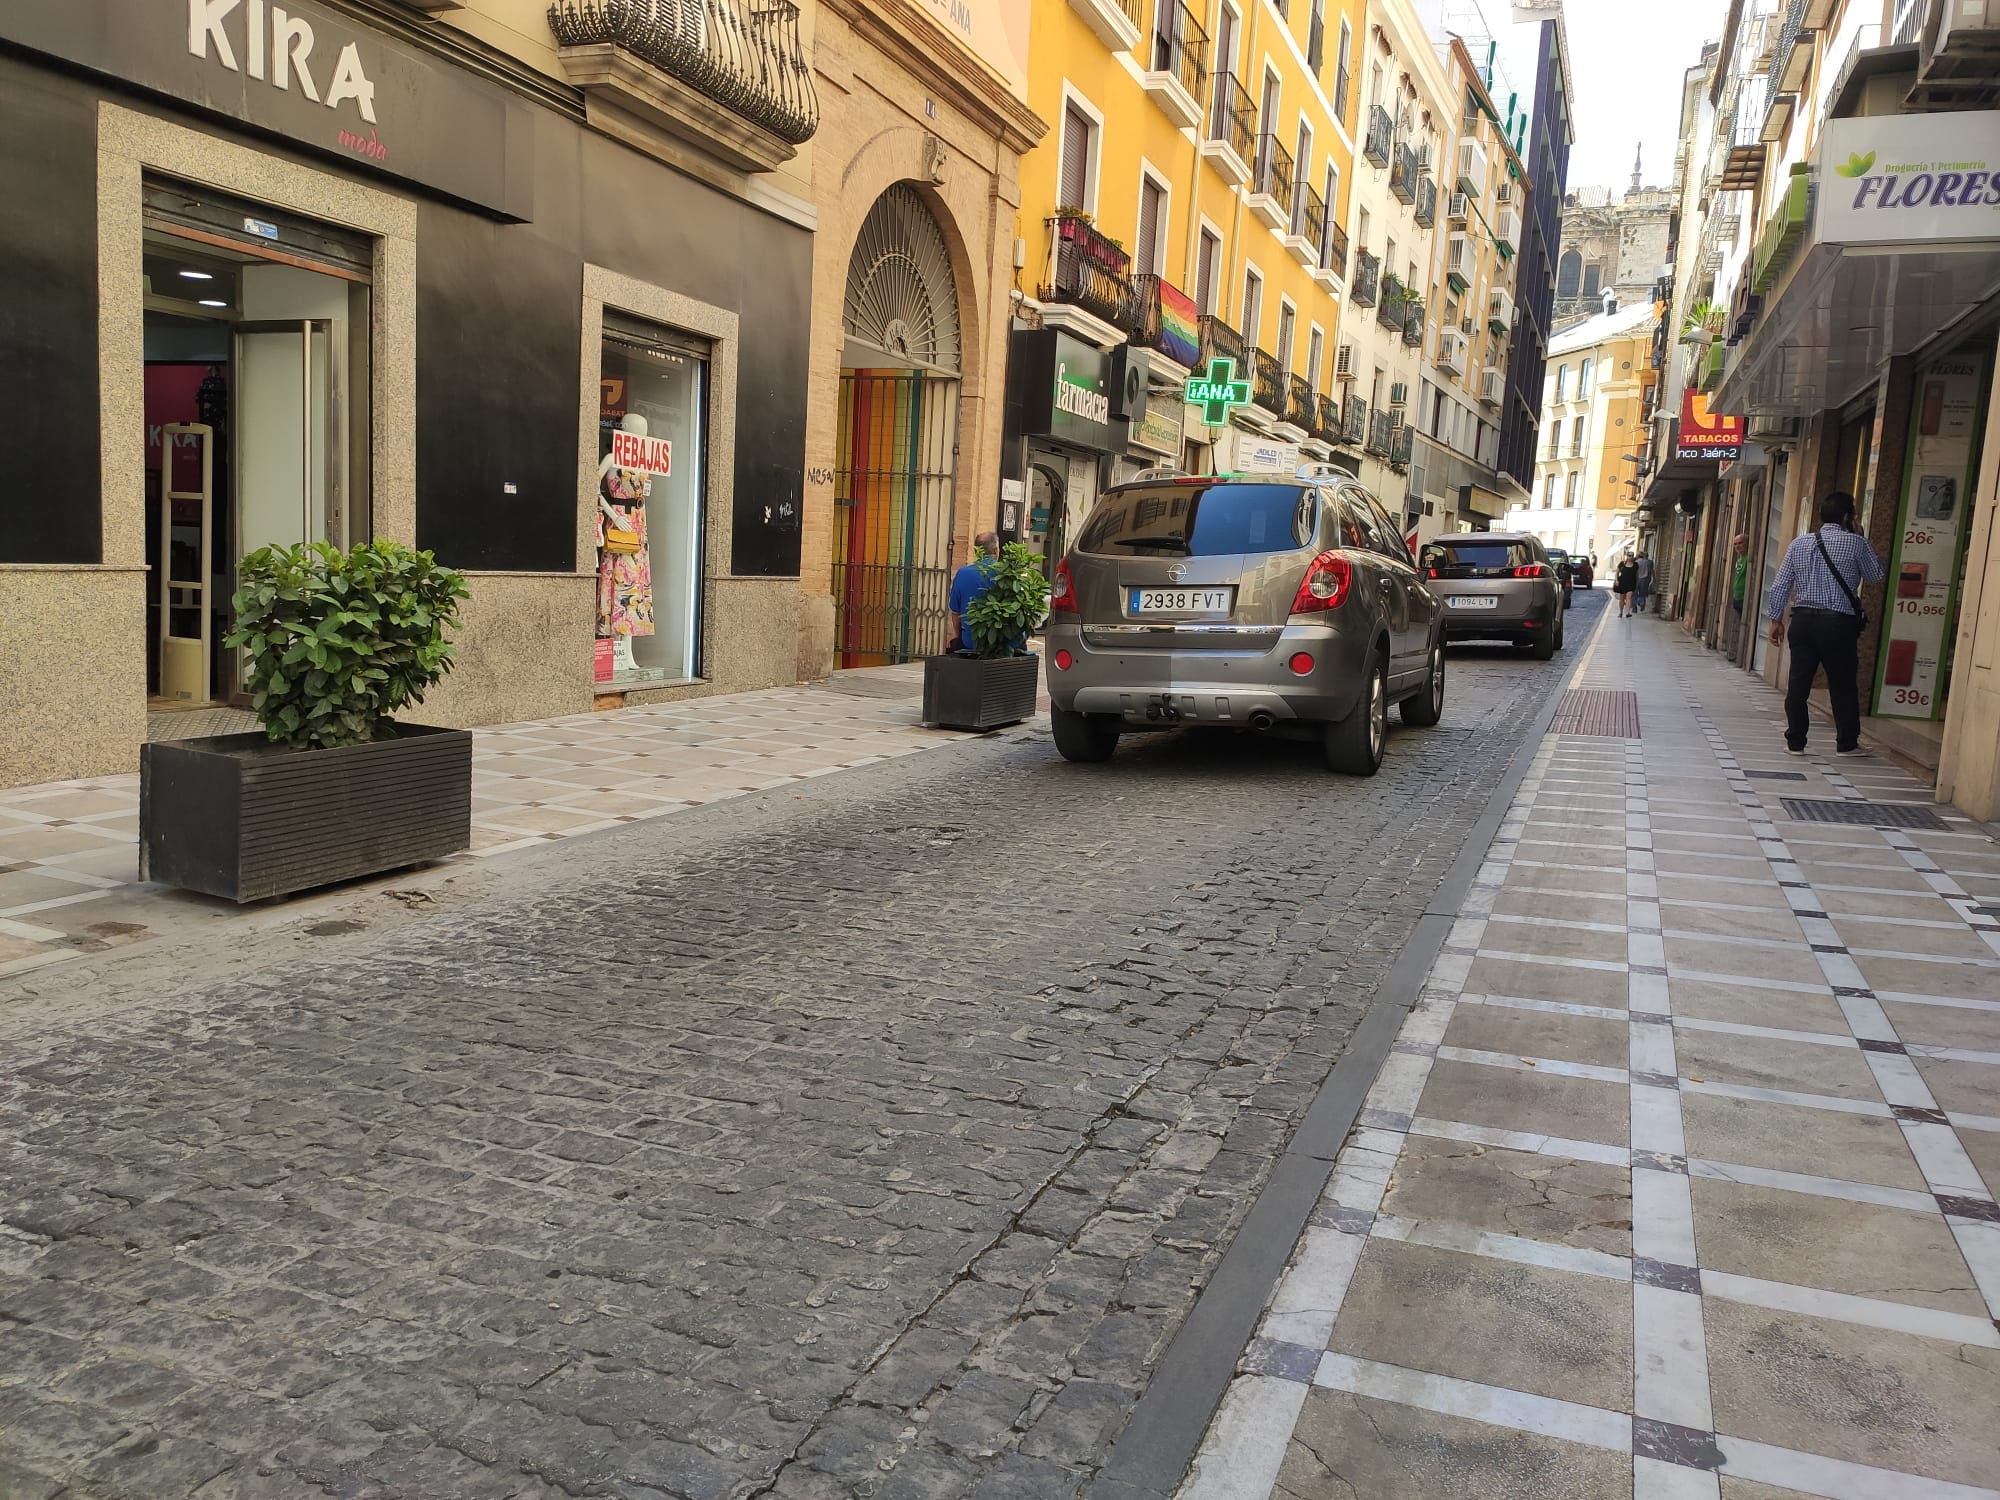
1217,391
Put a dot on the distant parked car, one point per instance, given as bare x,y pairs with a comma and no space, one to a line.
1583,572
1288,605
1497,586
1565,567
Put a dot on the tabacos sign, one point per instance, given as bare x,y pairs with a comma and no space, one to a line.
1889,179
1704,435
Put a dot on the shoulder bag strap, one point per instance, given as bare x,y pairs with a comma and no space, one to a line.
1819,540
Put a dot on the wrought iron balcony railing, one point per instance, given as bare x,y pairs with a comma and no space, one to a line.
1389,311
1268,387
1355,430
1301,406
1333,249
1403,174
1165,319
1180,47
1232,116
1402,445
1220,341
1381,136
1413,321
1327,425
1381,433
1091,272
1309,214
1427,203
744,54
1274,172
1367,274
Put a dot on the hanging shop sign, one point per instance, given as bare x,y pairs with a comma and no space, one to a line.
1064,386
1217,391
1705,436
318,78
1906,179
1161,428
1923,574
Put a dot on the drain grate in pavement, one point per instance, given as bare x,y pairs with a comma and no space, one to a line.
1776,775
1585,712
1863,814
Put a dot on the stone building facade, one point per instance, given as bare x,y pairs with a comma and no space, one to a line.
1608,246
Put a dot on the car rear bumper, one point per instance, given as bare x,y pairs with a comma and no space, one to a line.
1240,688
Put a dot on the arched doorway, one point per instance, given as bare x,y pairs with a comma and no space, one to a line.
896,461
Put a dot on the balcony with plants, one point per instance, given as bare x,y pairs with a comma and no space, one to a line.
730,78
1389,311
1381,137
1308,224
1272,188
1366,286
1230,145
1177,63
1091,271
1413,320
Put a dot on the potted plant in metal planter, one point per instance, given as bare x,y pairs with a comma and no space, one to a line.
995,685
334,788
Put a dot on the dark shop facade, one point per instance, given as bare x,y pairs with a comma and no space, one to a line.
338,272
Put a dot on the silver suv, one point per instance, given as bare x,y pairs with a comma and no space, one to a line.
1256,602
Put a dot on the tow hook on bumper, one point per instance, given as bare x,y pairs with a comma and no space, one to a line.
1162,709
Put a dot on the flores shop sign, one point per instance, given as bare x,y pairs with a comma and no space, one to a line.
1903,179
321,79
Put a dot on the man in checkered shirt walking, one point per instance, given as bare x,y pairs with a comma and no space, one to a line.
1821,577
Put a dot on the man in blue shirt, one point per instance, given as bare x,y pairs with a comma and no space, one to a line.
1821,577
968,585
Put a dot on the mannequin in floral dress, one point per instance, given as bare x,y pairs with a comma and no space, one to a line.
624,570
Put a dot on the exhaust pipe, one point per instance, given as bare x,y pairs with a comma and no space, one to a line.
1262,720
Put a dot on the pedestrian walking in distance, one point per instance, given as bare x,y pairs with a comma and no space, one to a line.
1622,583
1642,582
1821,578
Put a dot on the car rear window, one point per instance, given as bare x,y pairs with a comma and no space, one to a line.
1470,559
1192,520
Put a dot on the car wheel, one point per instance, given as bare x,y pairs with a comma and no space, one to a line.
1082,737
1354,745
1544,645
1427,707
1561,620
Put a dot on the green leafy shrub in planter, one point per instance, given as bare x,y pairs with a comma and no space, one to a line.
339,641
1001,617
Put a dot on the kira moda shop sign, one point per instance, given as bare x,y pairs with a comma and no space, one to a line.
1893,179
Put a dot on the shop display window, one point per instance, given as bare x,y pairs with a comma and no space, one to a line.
652,433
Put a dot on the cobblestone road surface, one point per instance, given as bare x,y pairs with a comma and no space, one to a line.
868,1139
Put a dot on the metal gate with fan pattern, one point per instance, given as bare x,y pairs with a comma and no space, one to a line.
895,474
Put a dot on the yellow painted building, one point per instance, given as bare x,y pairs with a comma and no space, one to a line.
1197,167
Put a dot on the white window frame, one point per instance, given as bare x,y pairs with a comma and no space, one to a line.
1250,269
1150,173
1286,305
1218,284
1071,94
1316,337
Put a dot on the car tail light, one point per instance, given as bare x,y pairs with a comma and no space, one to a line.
1063,661
1530,570
1062,596
1326,584
1302,663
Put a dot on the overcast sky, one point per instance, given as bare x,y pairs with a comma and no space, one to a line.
1628,60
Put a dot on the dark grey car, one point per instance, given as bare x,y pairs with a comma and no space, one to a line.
1261,603
1497,585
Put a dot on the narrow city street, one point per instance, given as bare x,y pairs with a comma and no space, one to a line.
869,1135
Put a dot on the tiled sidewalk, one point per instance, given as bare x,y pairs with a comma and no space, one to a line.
1679,1181
69,859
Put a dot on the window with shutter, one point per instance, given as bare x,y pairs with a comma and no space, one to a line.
1286,318
1075,184
1204,272
1315,356
1253,305
1148,257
